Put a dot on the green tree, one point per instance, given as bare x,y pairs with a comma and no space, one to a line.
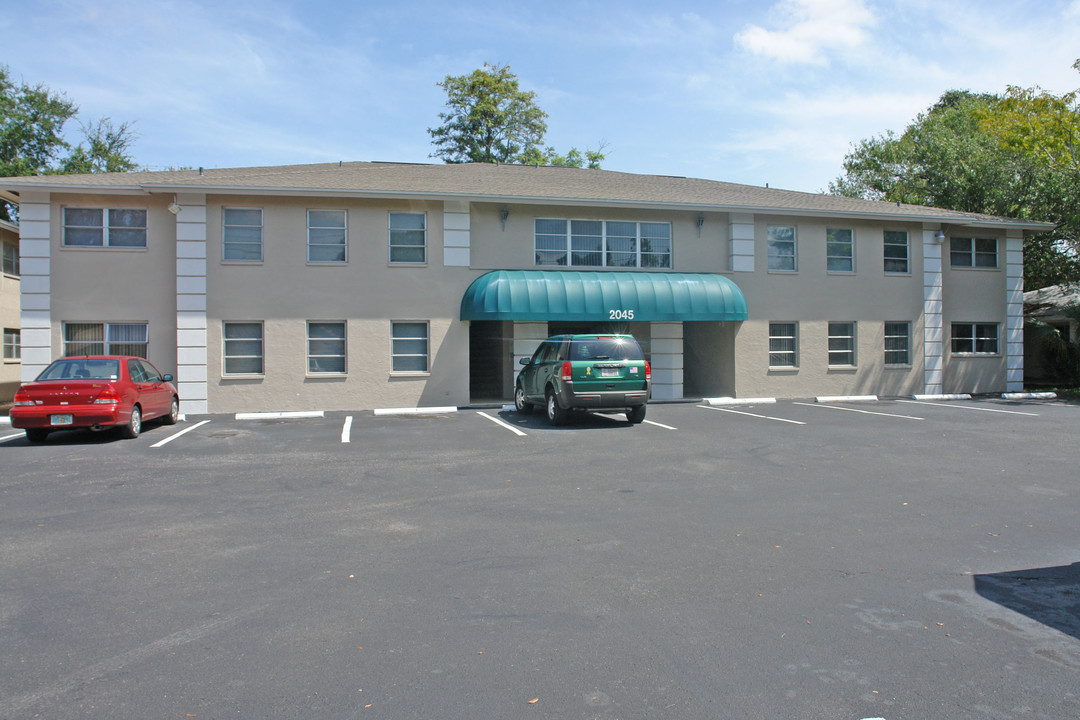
32,120
946,159
574,158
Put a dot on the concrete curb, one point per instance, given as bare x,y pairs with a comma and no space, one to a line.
954,396
739,401
416,410
5,420
1029,396
846,398
292,415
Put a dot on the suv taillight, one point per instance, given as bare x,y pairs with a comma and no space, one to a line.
107,396
22,399
648,370
567,371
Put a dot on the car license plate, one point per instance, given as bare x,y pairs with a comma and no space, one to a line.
609,372
60,420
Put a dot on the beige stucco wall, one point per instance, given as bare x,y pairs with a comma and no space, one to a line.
9,319
975,295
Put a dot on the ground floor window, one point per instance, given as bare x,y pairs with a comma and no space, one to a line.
243,348
974,338
897,343
12,344
783,344
106,339
409,346
842,343
326,347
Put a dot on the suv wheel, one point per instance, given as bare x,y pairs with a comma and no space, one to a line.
556,415
636,414
522,405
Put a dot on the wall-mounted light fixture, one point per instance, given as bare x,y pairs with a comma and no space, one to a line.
939,237
700,222
174,208
503,214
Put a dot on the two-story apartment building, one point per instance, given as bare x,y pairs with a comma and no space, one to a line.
361,285
9,310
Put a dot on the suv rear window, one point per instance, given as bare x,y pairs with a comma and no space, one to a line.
606,348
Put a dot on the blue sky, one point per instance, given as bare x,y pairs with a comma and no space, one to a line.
750,91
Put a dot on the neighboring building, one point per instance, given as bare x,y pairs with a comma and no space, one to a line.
361,285
9,310
1049,306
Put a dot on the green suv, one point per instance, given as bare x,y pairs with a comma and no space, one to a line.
585,372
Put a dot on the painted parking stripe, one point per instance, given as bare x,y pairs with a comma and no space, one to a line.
855,410
172,437
740,412
346,430
12,437
506,425
968,407
659,425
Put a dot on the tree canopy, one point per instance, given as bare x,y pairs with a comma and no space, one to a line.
947,157
32,120
489,118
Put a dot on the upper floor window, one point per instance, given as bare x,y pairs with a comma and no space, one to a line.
106,339
975,338
99,227
602,243
11,259
896,252
12,344
782,248
408,238
973,252
326,232
241,234
840,250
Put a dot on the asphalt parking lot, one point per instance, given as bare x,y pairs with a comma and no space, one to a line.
894,560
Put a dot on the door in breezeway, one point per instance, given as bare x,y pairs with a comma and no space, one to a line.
489,348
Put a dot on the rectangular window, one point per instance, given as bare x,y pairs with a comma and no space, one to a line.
975,338
896,251
408,238
242,345
326,232
11,259
241,234
602,243
783,345
840,250
897,343
98,227
973,252
409,351
782,248
326,347
12,344
842,344
106,339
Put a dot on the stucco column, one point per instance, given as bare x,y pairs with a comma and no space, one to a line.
35,315
1014,313
191,339
527,337
933,328
741,242
456,233
667,360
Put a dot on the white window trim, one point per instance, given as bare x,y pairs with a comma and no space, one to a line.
794,250
104,229
973,254
390,236
345,215
854,337
794,351
345,357
975,337
427,356
907,253
11,250
261,226
262,355
15,346
850,256
604,249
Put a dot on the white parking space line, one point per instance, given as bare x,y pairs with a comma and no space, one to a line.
952,406
659,425
172,437
12,437
740,412
864,412
506,425
346,430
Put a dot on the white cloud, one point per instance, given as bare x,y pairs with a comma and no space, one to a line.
811,29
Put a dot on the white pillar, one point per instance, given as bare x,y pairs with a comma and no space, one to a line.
933,328
741,242
1014,313
35,315
191,354
667,360
456,233
527,337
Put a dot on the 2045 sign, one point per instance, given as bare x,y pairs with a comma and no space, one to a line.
620,314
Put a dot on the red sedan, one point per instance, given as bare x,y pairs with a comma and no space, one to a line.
96,392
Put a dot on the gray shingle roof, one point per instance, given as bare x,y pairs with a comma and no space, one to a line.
503,183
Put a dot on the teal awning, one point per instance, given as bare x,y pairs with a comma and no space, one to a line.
602,296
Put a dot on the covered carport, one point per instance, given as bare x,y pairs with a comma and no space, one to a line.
686,322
